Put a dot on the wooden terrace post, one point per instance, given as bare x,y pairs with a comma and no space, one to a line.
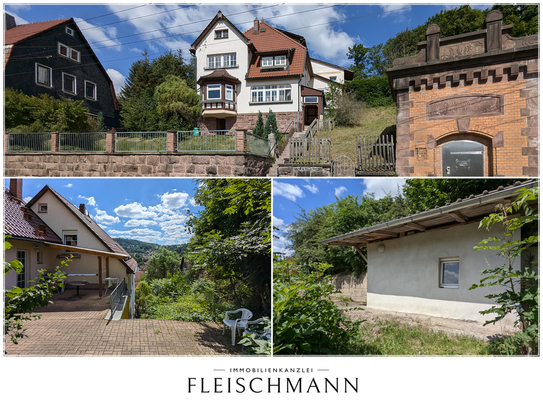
100,276
107,267
54,142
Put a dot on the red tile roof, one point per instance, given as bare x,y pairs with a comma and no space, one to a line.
21,222
98,232
25,31
274,40
219,74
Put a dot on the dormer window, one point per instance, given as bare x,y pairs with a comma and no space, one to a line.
278,61
221,34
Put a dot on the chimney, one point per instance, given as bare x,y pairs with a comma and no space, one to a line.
9,22
82,209
256,26
16,187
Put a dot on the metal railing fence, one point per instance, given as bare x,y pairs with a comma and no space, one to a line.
206,140
86,142
29,142
116,295
141,141
258,145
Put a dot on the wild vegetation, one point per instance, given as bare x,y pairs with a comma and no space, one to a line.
229,257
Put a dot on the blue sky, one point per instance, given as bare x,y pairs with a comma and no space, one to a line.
290,195
149,210
120,32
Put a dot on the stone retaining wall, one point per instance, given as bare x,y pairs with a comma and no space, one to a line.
309,170
134,165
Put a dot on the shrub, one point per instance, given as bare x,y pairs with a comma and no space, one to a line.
373,91
271,121
143,295
259,128
348,110
305,319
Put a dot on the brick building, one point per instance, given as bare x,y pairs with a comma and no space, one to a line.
468,104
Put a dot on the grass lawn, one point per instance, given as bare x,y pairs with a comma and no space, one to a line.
395,338
374,121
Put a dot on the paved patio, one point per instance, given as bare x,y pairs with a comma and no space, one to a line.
75,326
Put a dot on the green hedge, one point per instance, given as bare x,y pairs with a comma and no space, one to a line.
373,91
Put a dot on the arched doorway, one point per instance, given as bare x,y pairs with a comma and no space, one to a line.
463,158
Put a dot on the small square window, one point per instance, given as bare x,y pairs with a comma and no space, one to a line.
449,273
69,31
63,50
42,208
311,99
333,78
221,34
43,75
70,237
90,90
69,83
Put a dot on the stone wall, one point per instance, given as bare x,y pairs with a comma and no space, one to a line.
299,170
351,286
480,86
134,165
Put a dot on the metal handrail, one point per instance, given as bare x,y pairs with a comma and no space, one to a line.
116,295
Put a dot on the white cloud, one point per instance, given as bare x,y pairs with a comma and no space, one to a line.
381,186
139,222
289,191
90,200
134,210
280,244
312,188
175,200
103,217
103,36
277,222
27,199
340,191
155,234
68,185
117,78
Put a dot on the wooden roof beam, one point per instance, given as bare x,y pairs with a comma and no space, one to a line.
459,217
416,226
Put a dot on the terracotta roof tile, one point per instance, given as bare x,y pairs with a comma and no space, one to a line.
219,73
22,222
22,32
272,40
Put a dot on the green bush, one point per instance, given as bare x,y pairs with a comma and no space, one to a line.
373,91
144,296
305,319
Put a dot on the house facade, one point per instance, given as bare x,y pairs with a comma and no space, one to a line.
468,105
262,69
326,73
54,58
426,262
48,229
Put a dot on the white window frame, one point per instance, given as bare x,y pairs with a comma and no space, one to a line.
69,31
267,61
220,34
42,208
282,60
69,51
271,94
50,84
214,85
66,233
95,97
220,61
307,99
75,84
442,263
228,92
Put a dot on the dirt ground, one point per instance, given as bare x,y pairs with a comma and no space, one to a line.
446,325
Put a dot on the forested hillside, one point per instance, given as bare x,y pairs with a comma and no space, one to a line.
142,251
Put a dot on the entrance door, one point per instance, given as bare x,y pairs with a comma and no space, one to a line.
463,159
21,277
310,114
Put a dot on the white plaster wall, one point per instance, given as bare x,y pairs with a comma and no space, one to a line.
319,84
327,71
405,277
234,43
59,218
245,97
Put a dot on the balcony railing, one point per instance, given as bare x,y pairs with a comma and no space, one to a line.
116,296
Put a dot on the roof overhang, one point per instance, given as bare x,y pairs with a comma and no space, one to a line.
461,212
219,113
76,249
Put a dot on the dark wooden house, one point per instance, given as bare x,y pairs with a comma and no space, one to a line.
53,57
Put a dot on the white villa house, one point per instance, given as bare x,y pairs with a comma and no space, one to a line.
265,68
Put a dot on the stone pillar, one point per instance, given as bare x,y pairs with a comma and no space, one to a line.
432,43
110,140
493,25
54,142
273,144
171,141
241,144
6,142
